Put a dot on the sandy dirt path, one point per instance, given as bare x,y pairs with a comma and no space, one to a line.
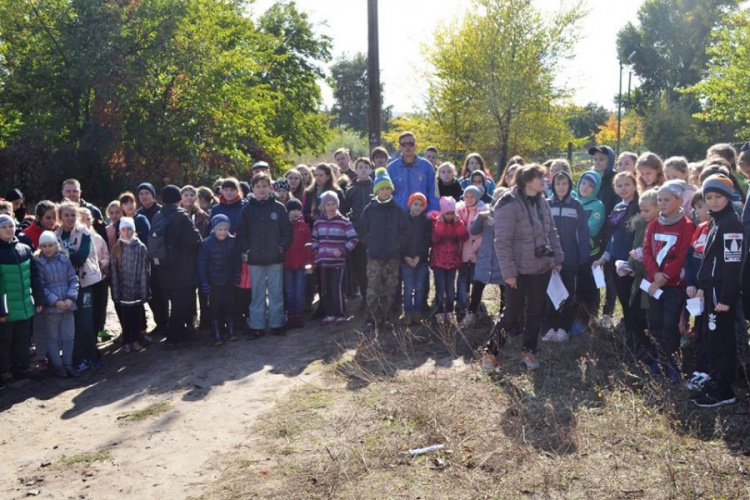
205,400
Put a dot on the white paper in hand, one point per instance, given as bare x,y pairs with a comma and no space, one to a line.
645,284
599,277
556,290
695,306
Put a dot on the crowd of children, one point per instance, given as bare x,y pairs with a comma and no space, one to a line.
658,235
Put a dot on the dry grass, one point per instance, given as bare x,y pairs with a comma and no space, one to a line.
587,425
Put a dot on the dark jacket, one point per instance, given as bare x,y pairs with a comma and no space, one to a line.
231,210
219,262
384,230
619,240
453,190
722,257
607,193
487,269
357,197
521,226
130,284
264,231
183,240
421,238
54,280
150,212
16,278
572,226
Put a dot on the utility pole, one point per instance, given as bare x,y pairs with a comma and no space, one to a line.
373,72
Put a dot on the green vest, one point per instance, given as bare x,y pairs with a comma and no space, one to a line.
15,291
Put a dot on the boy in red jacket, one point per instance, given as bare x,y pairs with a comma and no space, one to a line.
665,247
298,262
448,234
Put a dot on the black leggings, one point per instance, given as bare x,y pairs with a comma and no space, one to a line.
476,296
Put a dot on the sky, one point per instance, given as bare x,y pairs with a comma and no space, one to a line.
405,25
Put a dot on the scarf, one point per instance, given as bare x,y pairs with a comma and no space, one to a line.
673,219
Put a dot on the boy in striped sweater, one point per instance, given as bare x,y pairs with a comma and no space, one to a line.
333,237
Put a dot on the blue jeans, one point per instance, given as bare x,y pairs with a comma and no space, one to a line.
266,278
445,289
415,292
294,291
465,279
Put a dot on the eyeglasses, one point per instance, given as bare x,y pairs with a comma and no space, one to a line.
409,144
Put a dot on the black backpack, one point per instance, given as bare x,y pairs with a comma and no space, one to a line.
158,249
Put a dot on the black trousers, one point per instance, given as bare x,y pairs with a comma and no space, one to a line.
358,273
179,313
159,302
664,321
563,317
587,295
610,293
101,298
719,340
223,303
532,288
130,321
332,293
15,342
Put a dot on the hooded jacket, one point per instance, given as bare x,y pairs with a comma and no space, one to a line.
489,185
595,213
572,225
299,254
16,278
722,259
619,239
357,197
384,230
607,193
521,226
487,269
54,280
130,282
468,215
264,231
231,209
447,240
421,237
183,239
219,260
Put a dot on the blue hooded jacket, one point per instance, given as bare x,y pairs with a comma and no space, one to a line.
594,210
571,222
607,193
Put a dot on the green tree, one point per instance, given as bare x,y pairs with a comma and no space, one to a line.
670,43
725,89
586,120
351,94
493,88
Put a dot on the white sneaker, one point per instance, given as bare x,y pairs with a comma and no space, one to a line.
468,321
450,318
440,318
550,336
561,335
698,381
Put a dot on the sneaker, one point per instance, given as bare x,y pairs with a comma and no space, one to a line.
327,320
468,321
82,366
104,335
550,336
41,365
561,335
714,399
136,347
440,318
698,381
95,364
126,349
529,362
340,320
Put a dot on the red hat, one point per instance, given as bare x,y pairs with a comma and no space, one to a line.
417,196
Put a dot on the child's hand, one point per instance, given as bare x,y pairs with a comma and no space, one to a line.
38,309
511,282
309,270
69,303
415,261
699,294
60,304
720,308
691,291
661,278
597,263
653,289
337,253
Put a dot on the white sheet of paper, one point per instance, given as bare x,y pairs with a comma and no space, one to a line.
695,306
599,277
644,286
623,265
556,290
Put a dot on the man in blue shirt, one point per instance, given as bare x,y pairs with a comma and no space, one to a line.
411,174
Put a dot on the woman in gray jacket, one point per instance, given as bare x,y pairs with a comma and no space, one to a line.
528,248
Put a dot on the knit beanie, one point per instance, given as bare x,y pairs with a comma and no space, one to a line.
447,204
281,184
476,191
148,187
718,183
7,218
417,196
293,204
127,222
48,237
328,196
245,189
589,177
674,187
218,221
171,194
382,180
14,194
